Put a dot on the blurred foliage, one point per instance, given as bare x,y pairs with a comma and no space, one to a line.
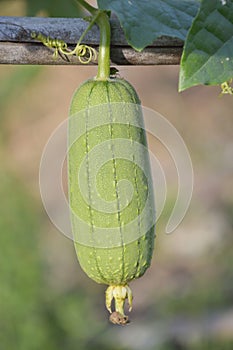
206,291
174,344
12,84
54,8
48,8
20,277
32,315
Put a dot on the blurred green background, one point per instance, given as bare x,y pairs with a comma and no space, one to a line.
185,300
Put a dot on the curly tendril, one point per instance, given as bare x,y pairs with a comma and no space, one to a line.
57,44
84,53
226,88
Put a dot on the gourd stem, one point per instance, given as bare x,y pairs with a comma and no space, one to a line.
104,47
102,20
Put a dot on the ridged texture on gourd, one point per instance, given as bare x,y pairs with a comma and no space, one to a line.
120,264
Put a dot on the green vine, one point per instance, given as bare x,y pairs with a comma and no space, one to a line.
102,21
104,47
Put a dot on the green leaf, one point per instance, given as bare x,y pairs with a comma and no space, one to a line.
208,53
143,20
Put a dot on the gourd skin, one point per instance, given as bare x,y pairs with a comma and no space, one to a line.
104,261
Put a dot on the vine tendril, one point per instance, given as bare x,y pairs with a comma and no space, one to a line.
83,52
226,88
58,45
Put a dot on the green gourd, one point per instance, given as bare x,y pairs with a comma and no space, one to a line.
110,188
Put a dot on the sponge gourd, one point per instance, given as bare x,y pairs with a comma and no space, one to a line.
110,187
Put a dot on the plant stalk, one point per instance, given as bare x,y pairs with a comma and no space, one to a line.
104,47
102,21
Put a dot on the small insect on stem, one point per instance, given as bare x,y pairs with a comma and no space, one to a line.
114,72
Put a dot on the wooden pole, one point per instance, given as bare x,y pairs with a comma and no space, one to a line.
17,46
